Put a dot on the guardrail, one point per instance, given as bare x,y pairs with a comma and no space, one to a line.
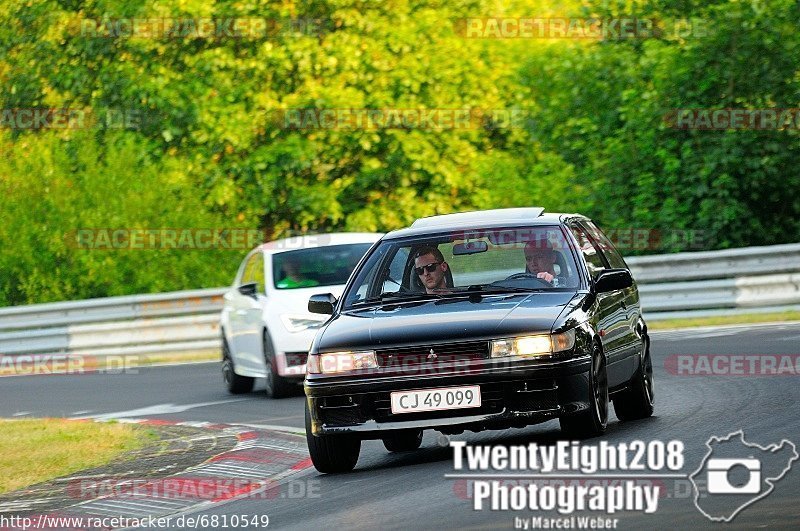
179,321
750,279
678,285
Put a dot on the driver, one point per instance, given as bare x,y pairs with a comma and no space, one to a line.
540,262
430,267
292,277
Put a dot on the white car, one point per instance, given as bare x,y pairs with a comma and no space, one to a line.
265,323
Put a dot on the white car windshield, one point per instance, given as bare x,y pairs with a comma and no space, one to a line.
319,266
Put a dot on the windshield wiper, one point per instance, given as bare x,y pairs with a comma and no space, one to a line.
501,288
397,296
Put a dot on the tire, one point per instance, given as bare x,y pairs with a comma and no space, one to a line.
276,385
235,383
637,401
331,454
593,421
403,441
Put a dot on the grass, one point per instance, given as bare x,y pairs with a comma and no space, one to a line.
36,450
791,315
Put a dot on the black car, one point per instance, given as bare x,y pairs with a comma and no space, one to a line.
473,321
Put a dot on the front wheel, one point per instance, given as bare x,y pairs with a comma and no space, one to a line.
331,453
637,401
594,420
403,441
235,383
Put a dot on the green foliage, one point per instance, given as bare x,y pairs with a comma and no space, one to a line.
209,149
59,185
736,185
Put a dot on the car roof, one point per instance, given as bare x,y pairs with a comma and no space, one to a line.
308,241
501,217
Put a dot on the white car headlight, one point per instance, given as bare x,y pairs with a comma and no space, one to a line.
335,362
537,345
298,323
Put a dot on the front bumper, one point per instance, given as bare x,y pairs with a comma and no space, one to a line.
516,393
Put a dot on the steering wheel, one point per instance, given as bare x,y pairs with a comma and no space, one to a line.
528,276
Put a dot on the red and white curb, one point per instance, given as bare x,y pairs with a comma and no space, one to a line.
255,467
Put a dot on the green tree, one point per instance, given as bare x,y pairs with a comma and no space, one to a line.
606,108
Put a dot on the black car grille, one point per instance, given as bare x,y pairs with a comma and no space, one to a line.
531,395
343,410
540,401
421,354
344,416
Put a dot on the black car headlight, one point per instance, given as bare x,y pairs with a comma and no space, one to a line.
534,345
338,362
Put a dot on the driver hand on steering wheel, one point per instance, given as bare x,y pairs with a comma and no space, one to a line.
540,262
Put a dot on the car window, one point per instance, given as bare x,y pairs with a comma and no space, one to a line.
591,254
254,271
397,268
248,266
257,273
612,255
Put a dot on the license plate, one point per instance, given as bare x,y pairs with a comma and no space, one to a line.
436,399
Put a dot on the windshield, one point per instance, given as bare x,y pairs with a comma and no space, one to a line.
319,266
502,260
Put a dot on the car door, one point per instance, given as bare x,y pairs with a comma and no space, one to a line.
245,316
253,322
234,311
611,313
629,297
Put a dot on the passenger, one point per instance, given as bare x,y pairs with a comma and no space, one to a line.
430,267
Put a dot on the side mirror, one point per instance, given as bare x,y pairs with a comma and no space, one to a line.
613,280
322,304
248,290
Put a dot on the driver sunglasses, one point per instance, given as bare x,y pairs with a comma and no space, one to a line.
430,268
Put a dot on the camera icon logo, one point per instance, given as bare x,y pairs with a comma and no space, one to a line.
735,474
718,476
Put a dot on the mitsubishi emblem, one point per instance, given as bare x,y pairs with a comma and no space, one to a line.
432,356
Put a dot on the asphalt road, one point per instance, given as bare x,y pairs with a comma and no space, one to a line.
410,490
